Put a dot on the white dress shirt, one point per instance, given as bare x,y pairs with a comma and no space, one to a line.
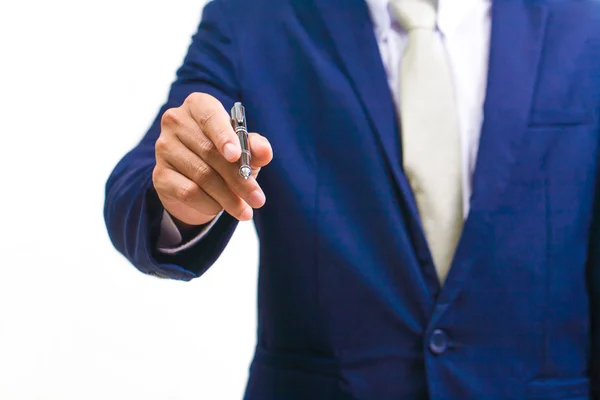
465,28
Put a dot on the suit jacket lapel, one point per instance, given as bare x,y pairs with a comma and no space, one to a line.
516,42
351,33
517,36
349,28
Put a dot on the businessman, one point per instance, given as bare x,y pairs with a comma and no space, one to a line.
430,223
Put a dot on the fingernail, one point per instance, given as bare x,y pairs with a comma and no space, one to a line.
230,152
257,198
247,214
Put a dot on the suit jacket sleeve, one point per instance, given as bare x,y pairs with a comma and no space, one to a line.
132,210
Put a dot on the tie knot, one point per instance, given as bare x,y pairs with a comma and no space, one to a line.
414,14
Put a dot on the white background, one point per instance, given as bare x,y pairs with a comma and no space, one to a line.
80,82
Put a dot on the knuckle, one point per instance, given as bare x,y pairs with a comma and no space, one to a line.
160,181
206,147
157,174
206,105
207,117
161,145
188,192
171,117
195,98
203,174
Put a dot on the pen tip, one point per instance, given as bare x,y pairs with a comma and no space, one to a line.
245,172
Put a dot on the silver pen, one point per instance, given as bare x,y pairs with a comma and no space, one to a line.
238,122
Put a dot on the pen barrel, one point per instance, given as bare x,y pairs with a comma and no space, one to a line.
238,122
246,157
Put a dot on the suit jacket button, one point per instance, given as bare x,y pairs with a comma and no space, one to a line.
438,343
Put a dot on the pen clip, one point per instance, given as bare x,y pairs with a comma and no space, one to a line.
238,114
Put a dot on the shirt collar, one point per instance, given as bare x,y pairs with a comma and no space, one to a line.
451,14
381,17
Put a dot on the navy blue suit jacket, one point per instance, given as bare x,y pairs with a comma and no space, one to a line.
349,305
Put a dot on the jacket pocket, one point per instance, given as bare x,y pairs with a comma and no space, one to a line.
563,389
570,117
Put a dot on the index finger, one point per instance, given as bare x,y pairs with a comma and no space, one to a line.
215,123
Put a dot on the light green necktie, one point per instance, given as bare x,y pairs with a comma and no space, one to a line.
430,131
